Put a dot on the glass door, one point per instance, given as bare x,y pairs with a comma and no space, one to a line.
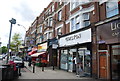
85,61
71,62
64,61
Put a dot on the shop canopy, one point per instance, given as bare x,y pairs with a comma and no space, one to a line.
32,52
37,54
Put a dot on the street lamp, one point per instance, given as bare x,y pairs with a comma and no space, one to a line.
12,21
23,44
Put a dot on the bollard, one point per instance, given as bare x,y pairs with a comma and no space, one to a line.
42,66
53,67
19,71
33,67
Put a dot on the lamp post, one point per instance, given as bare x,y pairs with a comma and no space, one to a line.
12,21
24,39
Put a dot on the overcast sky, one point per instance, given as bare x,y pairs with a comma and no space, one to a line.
24,11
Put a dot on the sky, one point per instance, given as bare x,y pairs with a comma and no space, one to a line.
24,11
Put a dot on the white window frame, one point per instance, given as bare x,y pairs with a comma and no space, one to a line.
40,29
50,21
88,16
111,11
86,19
53,8
59,30
77,19
60,15
60,2
50,35
73,24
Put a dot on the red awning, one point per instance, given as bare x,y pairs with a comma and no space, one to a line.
32,52
37,54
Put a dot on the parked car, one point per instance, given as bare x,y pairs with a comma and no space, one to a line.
1,57
19,61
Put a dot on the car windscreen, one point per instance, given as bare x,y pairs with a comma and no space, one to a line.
17,59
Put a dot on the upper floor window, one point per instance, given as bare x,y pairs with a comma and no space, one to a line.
40,29
45,36
73,5
40,40
47,22
73,24
111,8
58,31
60,2
77,20
50,35
50,21
60,15
86,19
52,8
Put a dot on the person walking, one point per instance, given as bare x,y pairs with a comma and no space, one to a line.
76,66
29,60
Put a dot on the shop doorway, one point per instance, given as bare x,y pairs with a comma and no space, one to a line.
84,57
103,64
71,62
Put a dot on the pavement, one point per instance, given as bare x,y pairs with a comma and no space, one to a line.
49,73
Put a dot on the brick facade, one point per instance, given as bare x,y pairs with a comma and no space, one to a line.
96,15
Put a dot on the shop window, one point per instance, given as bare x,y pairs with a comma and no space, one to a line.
111,8
64,62
115,58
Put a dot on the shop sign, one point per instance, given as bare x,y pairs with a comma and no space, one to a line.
76,38
42,47
109,33
115,27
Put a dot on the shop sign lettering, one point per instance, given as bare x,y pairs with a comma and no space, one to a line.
115,27
73,37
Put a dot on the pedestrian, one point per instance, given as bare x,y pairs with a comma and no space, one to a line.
76,66
29,60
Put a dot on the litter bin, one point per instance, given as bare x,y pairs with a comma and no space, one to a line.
7,72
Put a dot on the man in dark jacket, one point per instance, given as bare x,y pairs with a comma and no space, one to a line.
29,60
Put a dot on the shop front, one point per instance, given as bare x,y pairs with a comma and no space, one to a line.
108,51
76,45
52,51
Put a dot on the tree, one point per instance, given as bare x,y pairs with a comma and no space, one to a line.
4,49
16,42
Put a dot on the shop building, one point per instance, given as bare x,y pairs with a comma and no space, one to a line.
76,44
108,49
106,42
